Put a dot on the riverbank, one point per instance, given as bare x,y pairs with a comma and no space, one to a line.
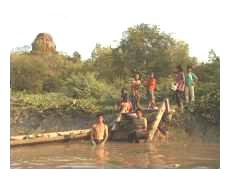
31,114
50,112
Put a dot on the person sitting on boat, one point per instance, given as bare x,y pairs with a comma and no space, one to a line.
125,105
124,94
99,134
151,85
139,127
124,108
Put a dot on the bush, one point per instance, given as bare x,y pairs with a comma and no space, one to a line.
207,104
76,86
52,84
28,74
86,86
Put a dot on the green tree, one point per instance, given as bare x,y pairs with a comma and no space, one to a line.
27,74
102,62
145,48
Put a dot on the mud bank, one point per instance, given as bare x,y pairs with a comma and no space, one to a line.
27,121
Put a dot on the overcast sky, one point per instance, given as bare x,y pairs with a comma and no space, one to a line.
79,25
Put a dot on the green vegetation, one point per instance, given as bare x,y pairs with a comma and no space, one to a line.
46,81
53,101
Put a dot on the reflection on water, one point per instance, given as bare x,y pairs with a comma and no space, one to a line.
116,155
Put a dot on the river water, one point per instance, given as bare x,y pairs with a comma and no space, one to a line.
116,155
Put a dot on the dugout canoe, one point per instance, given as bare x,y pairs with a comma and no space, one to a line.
49,137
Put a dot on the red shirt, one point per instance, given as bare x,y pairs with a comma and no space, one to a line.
180,81
152,84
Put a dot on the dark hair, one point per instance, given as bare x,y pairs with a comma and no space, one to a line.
100,114
189,67
179,68
125,97
138,109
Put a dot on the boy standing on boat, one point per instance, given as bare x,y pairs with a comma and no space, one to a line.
190,80
135,87
151,84
99,133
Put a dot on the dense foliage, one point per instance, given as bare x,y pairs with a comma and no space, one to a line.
96,82
207,105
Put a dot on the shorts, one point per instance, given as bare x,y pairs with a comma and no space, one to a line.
98,141
151,94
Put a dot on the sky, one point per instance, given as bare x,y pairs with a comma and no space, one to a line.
79,25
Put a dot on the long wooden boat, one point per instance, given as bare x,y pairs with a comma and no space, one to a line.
49,137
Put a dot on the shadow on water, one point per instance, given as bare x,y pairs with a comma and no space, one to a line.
116,155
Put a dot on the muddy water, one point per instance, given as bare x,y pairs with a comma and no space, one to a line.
116,155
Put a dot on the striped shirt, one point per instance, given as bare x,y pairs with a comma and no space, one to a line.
180,81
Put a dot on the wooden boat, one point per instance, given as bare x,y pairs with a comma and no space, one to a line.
123,131
49,137
118,134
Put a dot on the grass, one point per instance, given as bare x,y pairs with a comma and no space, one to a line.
45,101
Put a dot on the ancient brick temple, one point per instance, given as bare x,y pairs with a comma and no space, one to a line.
43,43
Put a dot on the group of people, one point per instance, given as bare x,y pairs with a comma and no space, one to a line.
132,103
99,134
184,85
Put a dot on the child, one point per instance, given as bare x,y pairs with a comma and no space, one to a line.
189,85
151,84
180,85
99,133
124,107
135,89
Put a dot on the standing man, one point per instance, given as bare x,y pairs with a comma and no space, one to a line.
190,80
151,84
180,87
135,89
99,133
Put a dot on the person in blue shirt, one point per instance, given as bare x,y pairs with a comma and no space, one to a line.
190,80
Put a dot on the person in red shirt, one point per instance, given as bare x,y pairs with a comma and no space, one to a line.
151,85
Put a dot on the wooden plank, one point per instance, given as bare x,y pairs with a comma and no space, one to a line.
156,123
48,137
